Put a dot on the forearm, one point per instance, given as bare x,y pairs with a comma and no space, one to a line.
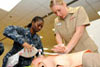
40,47
1,48
12,33
74,40
59,39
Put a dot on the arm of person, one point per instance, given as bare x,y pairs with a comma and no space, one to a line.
82,22
57,34
15,33
1,48
76,37
59,39
59,45
40,48
72,43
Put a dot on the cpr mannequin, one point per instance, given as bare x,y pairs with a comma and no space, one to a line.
79,59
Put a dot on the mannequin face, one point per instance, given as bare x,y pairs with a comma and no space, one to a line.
36,62
44,61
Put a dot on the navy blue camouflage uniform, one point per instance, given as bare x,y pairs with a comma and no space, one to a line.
1,48
21,35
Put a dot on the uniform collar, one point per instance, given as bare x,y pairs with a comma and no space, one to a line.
71,10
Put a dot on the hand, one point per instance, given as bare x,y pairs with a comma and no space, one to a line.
59,48
27,47
59,45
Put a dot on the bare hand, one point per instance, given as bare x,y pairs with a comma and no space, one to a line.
59,49
27,47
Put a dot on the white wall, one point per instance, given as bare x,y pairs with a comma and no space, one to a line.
94,31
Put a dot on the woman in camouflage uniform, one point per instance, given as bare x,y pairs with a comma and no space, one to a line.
24,38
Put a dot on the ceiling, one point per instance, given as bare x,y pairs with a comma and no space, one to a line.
22,14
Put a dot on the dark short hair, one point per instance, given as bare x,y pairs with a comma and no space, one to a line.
35,19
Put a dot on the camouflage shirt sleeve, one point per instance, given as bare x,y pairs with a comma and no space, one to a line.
1,48
15,33
40,46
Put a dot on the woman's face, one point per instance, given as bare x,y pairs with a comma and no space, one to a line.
60,10
37,26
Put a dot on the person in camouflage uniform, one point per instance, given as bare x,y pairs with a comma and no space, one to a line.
24,38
